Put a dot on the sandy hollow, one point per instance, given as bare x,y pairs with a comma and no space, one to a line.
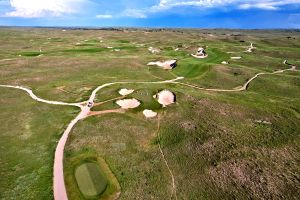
154,50
236,58
165,97
125,91
149,113
200,53
128,103
169,64
225,63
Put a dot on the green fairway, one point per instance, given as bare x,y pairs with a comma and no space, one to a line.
146,97
90,180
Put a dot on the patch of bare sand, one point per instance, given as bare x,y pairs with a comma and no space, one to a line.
149,113
200,53
128,103
154,50
125,91
169,64
225,63
236,58
165,97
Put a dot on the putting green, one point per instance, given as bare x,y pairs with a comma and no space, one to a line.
146,97
90,180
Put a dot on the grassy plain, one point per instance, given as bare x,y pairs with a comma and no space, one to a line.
214,142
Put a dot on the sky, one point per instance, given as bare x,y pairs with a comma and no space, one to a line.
245,14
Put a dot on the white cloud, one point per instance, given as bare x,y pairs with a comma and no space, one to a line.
165,5
43,8
134,13
267,4
258,5
243,4
104,16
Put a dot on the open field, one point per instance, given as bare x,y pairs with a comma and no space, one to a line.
214,145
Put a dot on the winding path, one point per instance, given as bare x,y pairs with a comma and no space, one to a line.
241,88
58,174
33,96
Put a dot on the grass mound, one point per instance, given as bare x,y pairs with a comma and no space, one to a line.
90,180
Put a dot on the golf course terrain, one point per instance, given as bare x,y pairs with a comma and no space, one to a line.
84,117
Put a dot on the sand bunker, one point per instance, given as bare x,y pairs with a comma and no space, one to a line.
200,53
128,103
154,50
165,97
169,64
109,47
236,58
125,91
250,49
140,45
225,63
149,113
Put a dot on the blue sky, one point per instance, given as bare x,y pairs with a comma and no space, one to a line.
152,13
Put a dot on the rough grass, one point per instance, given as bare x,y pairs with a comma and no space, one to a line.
29,134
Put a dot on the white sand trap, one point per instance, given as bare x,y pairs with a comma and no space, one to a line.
199,56
169,64
200,53
109,47
177,49
125,91
225,63
236,58
250,49
154,50
128,103
149,113
117,50
165,97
